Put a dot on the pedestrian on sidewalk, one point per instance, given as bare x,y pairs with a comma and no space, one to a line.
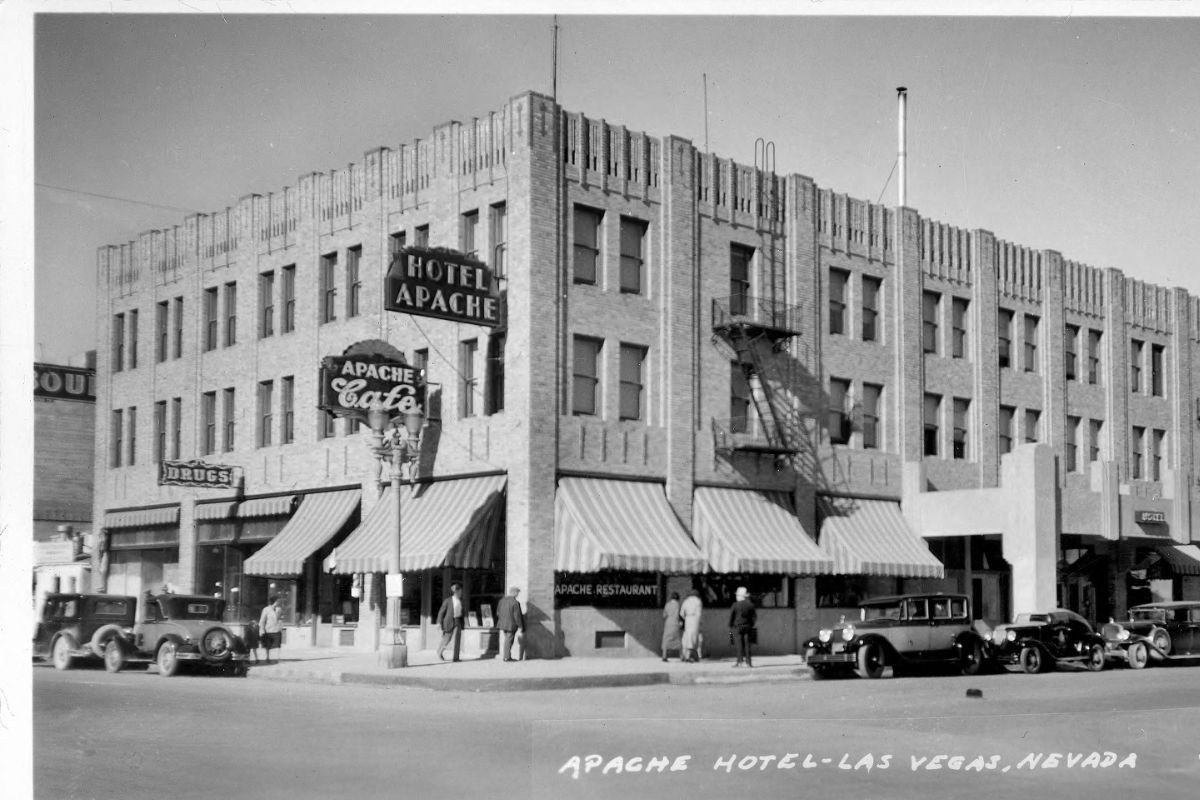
742,617
691,611
270,625
450,620
252,639
672,622
511,622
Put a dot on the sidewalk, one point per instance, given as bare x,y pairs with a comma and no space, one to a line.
425,671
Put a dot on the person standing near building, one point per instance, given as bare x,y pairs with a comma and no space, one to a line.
691,611
270,626
671,623
450,620
742,617
511,623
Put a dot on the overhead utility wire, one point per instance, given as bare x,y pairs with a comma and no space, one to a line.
889,180
119,199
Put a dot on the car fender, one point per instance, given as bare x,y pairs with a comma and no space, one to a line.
102,635
1021,644
174,638
63,635
968,639
889,653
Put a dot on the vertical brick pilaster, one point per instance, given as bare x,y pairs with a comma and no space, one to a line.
905,313
985,356
1116,364
1053,361
1184,410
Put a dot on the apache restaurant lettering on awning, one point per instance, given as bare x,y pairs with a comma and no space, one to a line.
442,284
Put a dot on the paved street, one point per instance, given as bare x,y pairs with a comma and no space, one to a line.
137,735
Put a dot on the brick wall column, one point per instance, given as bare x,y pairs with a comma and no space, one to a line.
1116,374
908,384
1180,458
985,357
1053,361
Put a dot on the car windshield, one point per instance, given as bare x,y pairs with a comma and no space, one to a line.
191,607
885,611
1147,614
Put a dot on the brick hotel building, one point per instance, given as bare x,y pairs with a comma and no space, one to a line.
707,375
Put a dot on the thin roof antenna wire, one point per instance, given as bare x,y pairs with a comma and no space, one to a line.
554,63
705,76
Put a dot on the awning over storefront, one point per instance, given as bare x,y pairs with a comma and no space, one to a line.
870,537
278,506
454,523
215,511
741,530
610,524
142,517
1183,558
319,517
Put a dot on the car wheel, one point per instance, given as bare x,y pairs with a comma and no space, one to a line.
870,660
167,660
61,654
1162,640
1137,655
216,643
114,656
1096,659
972,658
1031,660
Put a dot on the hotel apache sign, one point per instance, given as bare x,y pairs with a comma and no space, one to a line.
350,384
195,473
443,284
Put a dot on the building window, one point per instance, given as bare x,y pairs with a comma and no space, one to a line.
872,431
1072,451
1033,420
839,419
493,398
132,436
1094,357
178,327
117,434
328,287
1004,334
208,413
287,392
740,259
133,338
962,423
326,424
266,404
468,382
228,416
838,279
499,234
1070,345
1158,443
585,386
1156,365
210,319
421,236
266,305
1135,365
288,275
162,331
396,243
739,398
1138,444
959,309
469,238
1095,433
353,281
871,288
633,359
930,307
176,426
933,410
1031,343
433,400
118,343
587,243
230,314
633,242
1007,416
160,431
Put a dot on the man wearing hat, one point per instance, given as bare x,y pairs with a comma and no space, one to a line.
741,624
511,621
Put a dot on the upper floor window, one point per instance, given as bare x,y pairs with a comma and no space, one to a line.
266,411
739,398
210,318
499,233
230,314
1033,425
162,331
266,304
1135,365
1031,343
931,303
839,419
587,243
585,385
633,242
1093,353
469,238
1072,449
208,421
178,327
353,281
118,343
493,396
117,437
1158,445
1156,368
872,406
740,259
1005,429
288,290
469,383
633,361
133,338
1070,343
838,281
176,426
287,391
160,431
132,420
959,310
396,242
229,415
1095,436
1138,445
871,288
962,423
933,412
1004,335
421,236
328,287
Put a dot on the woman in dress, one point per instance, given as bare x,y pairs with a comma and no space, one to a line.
691,610
670,636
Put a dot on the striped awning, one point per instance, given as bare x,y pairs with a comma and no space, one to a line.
142,517
277,506
319,517
1183,558
211,511
870,537
452,523
610,524
741,530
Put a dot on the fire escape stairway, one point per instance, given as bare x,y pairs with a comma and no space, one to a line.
761,393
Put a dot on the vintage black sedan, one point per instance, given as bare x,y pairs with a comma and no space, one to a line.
77,627
177,630
1169,629
1039,642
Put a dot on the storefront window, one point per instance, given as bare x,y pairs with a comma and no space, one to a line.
847,591
767,591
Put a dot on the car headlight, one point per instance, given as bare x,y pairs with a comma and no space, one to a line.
1011,636
1123,635
847,633
825,635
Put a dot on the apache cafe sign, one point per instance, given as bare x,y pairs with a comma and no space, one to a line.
350,384
442,284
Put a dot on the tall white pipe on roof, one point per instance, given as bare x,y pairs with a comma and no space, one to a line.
902,156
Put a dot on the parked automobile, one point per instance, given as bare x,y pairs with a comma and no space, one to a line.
1167,630
900,631
1125,646
178,629
79,626
1038,642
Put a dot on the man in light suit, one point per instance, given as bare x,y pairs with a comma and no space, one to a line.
450,620
510,621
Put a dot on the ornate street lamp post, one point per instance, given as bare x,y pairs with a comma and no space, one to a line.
396,442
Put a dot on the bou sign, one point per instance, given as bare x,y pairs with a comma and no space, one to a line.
442,284
351,384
